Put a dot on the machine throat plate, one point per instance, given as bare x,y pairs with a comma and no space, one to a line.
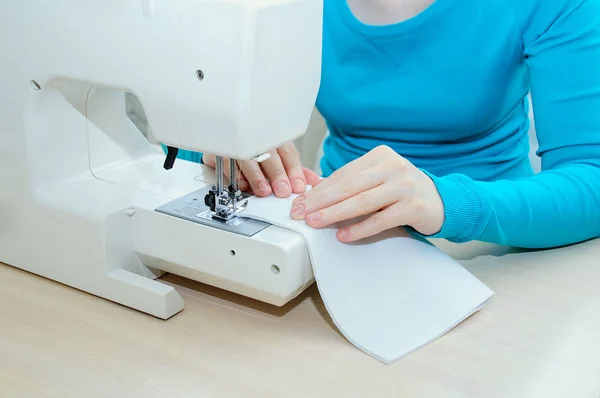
191,207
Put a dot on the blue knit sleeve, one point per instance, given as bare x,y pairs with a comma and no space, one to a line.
561,204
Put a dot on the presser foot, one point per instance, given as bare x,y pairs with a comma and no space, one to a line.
225,205
192,207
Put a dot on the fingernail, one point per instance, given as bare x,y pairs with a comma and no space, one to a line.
342,234
314,217
282,188
263,187
298,184
299,199
297,210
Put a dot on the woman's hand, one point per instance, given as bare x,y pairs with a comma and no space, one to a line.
282,174
381,184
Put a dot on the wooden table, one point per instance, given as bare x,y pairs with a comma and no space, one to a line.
539,337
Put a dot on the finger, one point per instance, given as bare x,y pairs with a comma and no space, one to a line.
320,180
239,176
378,222
209,160
275,172
341,176
369,159
327,194
293,166
256,179
226,168
311,177
244,185
362,204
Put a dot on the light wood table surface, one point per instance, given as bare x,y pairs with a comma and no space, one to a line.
539,337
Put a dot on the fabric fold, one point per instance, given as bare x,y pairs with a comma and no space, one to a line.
388,295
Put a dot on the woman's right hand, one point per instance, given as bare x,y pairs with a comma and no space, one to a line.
281,175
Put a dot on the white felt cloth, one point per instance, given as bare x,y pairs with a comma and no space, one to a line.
388,295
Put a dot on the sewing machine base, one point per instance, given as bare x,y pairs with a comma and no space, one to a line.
116,250
81,184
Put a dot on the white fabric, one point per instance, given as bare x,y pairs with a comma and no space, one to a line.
388,296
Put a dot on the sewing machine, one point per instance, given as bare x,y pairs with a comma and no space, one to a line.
88,201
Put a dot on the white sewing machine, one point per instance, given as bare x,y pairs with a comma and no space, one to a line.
87,201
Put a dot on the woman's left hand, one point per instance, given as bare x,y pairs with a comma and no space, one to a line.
381,183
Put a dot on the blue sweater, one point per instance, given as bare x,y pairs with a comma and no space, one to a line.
448,90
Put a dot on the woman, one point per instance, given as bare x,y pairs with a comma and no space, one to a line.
426,104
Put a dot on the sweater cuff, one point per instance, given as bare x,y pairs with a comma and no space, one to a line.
463,208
